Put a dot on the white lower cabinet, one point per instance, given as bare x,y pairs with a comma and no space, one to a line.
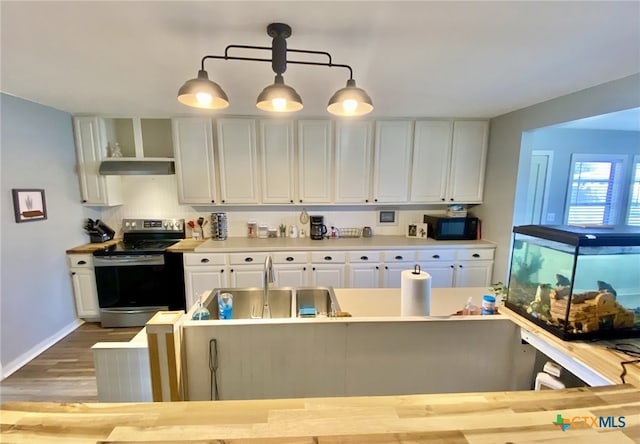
291,269
203,272
468,267
246,269
83,281
328,269
395,262
364,269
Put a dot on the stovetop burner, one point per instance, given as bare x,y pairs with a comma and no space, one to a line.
146,236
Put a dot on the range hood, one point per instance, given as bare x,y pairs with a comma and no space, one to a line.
136,167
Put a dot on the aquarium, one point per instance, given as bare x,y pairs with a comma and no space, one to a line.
577,282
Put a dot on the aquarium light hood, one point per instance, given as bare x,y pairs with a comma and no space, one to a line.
136,167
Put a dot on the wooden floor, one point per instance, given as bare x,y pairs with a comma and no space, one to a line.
65,371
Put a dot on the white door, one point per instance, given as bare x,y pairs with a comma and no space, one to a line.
237,155
468,160
441,273
201,280
243,276
392,274
315,171
364,275
193,153
277,160
431,161
328,275
295,275
84,290
392,161
473,274
353,161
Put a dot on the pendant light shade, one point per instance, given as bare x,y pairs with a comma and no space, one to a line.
202,93
350,101
279,98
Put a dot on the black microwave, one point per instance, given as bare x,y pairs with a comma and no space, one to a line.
452,228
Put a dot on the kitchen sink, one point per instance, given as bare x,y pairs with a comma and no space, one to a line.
314,301
284,302
247,302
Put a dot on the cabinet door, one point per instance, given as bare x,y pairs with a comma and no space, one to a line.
431,160
201,279
242,276
91,149
277,160
364,275
193,152
295,275
328,275
392,161
85,293
237,154
468,159
315,172
441,273
473,274
353,161
392,274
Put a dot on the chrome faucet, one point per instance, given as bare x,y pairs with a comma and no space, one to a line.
268,279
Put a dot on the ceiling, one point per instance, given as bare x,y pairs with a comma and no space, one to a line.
431,59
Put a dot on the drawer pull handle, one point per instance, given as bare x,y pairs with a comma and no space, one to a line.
436,256
364,258
248,259
289,258
475,255
204,261
451,266
82,262
398,258
328,258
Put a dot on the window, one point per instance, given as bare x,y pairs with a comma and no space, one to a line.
595,189
633,215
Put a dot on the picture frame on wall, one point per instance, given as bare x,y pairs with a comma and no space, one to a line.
29,205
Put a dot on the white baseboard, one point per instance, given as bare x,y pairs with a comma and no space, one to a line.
24,358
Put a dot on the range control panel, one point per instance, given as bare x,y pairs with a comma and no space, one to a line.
154,225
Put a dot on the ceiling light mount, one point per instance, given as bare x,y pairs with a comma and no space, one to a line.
278,97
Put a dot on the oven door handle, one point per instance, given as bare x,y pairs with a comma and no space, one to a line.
127,261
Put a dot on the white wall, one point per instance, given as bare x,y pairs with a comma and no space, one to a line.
36,302
497,211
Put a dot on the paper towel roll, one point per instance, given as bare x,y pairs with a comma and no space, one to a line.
415,293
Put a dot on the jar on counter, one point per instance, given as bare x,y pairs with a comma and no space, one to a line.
488,305
252,229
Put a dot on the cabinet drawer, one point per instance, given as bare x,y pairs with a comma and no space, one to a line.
192,259
297,257
80,260
247,258
319,257
437,255
475,254
364,256
399,256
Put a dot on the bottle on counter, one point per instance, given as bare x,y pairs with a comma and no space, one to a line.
201,314
225,306
488,305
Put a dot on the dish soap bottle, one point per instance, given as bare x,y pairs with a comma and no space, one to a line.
201,313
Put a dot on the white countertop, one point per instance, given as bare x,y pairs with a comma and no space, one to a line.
307,244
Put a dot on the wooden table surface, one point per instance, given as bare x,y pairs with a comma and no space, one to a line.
490,417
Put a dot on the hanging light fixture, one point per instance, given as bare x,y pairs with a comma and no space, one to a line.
277,97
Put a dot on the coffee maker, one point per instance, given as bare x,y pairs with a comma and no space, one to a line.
317,228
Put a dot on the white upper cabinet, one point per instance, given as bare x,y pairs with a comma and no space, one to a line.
431,159
140,138
392,161
91,149
237,155
315,172
195,167
468,161
449,161
353,161
277,161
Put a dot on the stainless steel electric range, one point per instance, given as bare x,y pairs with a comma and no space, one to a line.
132,279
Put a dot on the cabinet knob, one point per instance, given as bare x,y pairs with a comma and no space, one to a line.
475,255
328,258
364,258
231,271
442,199
300,200
314,268
222,270
73,273
213,201
375,200
204,261
366,200
82,262
304,268
84,201
451,266
459,266
377,268
248,259
289,258
386,268
451,199
291,201
398,258
436,256
222,200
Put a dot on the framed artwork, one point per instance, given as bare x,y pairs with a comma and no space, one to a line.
387,217
412,230
29,205
417,231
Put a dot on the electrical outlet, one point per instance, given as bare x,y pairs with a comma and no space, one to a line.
551,217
